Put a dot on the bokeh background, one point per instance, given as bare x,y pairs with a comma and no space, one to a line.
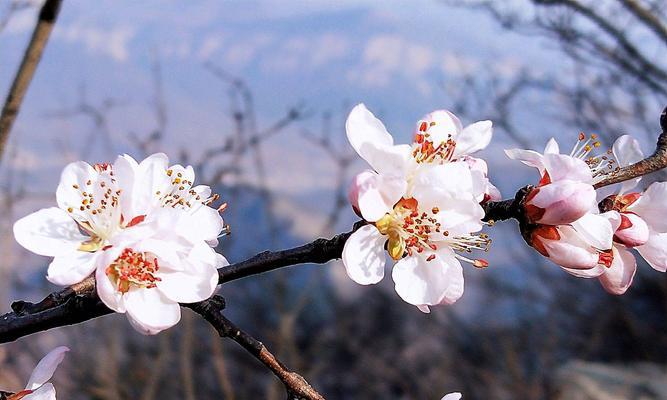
254,94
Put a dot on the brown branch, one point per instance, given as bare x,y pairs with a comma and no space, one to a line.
655,162
45,22
80,302
297,387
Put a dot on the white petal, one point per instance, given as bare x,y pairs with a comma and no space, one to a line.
139,184
150,312
561,167
586,273
597,229
473,138
618,278
364,128
655,251
46,367
452,396
627,151
551,147
71,268
460,217
106,290
432,183
195,283
49,232
528,157
373,143
440,125
204,224
45,392
421,282
375,194
73,180
652,206
364,255
570,251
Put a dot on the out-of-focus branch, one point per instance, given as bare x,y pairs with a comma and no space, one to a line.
45,22
297,387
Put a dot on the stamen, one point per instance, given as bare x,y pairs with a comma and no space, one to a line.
132,269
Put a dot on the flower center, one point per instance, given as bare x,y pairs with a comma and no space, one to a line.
601,165
133,269
412,231
408,229
425,150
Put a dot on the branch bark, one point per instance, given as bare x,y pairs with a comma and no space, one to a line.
33,53
297,387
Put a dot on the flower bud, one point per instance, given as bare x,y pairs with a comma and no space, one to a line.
559,203
633,230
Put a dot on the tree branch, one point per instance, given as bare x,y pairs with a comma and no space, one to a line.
80,303
45,22
211,310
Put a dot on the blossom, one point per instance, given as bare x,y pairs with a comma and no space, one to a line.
38,387
565,191
75,232
144,229
421,201
452,396
146,277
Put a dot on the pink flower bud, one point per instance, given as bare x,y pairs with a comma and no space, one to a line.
633,230
560,202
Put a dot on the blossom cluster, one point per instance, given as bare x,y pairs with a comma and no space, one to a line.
141,228
422,206
588,239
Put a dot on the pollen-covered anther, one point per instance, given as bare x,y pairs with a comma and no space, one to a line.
601,165
133,269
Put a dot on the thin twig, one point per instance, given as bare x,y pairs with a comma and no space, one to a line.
45,22
297,387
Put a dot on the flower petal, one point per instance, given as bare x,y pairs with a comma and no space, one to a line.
106,290
46,367
564,167
618,278
364,255
150,312
655,251
434,182
598,229
375,195
551,147
441,125
627,151
453,396
652,206
49,232
421,282
473,138
528,157
195,283
71,268
44,392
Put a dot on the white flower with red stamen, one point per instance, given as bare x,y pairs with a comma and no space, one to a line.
146,272
74,233
422,204
565,191
38,387
143,226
